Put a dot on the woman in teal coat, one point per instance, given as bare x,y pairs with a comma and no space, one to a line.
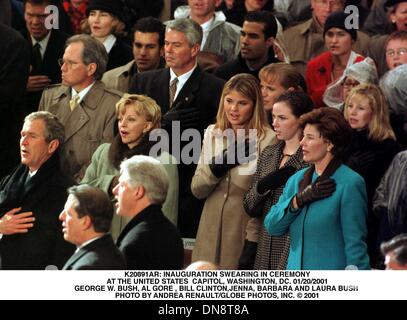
324,207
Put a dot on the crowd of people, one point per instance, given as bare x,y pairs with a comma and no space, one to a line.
268,133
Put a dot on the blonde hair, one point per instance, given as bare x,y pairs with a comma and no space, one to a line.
248,86
142,105
379,126
285,74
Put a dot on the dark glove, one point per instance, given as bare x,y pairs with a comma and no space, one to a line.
275,179
246,260
359,160
235,154
189,118
318,190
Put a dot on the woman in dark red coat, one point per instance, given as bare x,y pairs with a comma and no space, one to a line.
328,67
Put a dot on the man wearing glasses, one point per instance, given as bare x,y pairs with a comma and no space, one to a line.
82,103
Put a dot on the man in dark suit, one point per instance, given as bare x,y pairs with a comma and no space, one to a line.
37,185
186,94
14,69
47,46
256,46
86,221
149,241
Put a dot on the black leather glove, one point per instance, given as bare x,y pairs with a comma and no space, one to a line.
248,256
315,191
222,163
188,117
359,160
275,179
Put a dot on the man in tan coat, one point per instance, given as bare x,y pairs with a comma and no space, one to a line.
305,41
148,50
82,103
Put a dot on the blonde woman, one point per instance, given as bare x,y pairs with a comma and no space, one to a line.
138,115
373,145
225,170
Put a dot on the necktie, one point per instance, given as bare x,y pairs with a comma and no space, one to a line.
73,103
173,90
37,60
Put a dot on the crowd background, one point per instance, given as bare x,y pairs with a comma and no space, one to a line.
323,85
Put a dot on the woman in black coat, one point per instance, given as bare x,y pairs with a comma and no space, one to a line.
105,23
373,146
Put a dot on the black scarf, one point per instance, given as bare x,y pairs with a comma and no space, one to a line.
333,165
119,151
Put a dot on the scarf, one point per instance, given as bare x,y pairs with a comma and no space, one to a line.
333,165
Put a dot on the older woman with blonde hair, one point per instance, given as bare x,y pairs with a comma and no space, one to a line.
223,175
372,148
104,22
138,115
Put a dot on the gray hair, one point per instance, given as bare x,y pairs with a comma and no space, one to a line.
54,129
94,203
93,52
192,30
147,172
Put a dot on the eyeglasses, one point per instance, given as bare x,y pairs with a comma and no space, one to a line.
69,63
400,52
349,84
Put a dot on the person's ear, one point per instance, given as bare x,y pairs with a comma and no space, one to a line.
147,126
92,67
195,50
330,146
86,222
140,191
270,42
53,146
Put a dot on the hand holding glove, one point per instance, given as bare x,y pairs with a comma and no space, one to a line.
246,260
234,155
275,179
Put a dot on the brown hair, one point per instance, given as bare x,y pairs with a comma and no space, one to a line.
118,28
332,126
248,86
396,35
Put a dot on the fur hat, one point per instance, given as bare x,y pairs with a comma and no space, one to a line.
114,7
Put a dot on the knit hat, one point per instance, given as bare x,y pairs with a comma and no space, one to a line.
337,20
390,3
114,7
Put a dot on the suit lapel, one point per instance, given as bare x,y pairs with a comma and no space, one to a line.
161,89
75,257
190,87
79,116
103,241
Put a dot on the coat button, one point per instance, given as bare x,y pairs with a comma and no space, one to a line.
225,195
